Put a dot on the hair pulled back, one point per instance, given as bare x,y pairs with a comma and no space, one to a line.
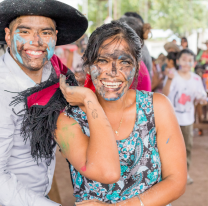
117,31
140,28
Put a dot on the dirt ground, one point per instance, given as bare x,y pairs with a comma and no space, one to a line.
195,195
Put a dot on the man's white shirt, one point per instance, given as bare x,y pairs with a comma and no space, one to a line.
22,181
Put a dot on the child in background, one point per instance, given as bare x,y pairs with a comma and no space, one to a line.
171,65
183,88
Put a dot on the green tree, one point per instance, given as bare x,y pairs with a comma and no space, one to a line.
181,16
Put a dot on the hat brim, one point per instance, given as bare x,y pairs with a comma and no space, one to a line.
170,45
71,24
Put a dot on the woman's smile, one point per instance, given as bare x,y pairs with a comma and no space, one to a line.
112,85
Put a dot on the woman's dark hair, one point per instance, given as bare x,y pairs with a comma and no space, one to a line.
135,15
185,39
186,51
173,56
117,31
142,30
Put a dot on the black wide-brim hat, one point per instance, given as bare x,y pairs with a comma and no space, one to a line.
71,24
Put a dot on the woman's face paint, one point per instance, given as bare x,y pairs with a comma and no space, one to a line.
33,40
114,70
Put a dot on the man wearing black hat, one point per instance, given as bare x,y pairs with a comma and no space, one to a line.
31,29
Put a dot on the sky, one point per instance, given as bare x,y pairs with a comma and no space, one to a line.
73,3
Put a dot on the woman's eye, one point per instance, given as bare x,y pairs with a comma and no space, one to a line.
102,61
126,62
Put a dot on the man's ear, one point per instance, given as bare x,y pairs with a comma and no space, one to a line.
8,36
56,34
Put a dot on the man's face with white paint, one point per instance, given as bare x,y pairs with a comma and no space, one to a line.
32,41
114,69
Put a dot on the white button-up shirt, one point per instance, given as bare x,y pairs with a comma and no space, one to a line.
22,181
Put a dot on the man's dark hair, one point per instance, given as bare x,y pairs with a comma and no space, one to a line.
135,15
186,51
117,31
173,56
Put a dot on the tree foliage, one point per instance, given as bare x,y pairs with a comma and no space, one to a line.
181,16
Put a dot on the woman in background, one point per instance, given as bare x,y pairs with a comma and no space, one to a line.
75,61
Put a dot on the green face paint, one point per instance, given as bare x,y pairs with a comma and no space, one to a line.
63,144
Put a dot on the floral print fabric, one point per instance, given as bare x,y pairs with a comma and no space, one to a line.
139,158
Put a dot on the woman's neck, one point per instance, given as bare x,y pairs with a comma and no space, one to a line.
115,107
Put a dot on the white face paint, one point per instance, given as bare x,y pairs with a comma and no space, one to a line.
186,62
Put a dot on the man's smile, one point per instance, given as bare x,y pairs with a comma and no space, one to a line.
33,53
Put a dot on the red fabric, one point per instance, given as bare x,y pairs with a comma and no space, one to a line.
42,97
59,67
88,83
144,82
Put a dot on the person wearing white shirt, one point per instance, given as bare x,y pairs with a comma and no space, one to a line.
183,88
31,30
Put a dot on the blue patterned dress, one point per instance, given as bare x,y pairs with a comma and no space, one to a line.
139,158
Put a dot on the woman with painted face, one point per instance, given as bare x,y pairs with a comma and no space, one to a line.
183,88
142,125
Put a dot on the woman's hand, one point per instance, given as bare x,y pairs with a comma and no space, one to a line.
75,95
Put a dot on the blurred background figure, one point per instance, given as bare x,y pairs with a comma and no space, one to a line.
184,43
143,32
2,49
171,47
158,76
183,88
202,57
174,41
143,81
75,61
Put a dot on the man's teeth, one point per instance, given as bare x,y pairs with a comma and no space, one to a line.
34,52
111,85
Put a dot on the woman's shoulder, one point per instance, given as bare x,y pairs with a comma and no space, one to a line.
161,103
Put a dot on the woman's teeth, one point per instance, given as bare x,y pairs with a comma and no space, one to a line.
111,85
37,53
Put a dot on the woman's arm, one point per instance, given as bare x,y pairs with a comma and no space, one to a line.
173,159
96,157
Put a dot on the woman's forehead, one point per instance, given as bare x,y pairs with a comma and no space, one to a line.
111,45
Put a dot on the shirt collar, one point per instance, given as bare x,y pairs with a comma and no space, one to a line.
23,80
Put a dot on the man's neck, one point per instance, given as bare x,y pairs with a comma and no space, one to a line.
36,76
